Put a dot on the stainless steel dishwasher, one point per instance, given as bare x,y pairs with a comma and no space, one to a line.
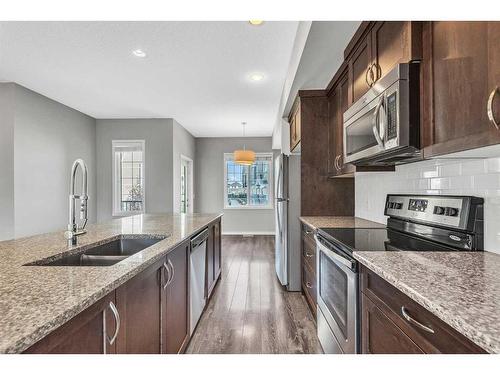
197,262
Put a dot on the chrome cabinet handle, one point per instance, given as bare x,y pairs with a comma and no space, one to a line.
173,272
167,269
339,161
371,77
369,71
308,284
376,131
116,315
489,108
378,72
309,255
416,323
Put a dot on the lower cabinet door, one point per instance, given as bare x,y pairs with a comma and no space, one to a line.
175,335
210,272
217,250
139,303
379,335
90,332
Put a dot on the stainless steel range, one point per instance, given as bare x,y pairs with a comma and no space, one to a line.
416,223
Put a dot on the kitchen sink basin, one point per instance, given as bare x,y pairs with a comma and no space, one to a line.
105,254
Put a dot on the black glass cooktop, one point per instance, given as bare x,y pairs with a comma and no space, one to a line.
381,239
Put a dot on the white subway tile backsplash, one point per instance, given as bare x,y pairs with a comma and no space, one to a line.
478,177
473,167
454,169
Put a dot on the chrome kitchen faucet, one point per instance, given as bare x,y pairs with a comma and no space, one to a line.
73,229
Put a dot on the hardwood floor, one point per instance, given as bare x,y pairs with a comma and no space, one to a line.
249,311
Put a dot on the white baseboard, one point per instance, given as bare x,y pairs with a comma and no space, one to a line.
255,233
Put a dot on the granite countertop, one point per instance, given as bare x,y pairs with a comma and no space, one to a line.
316,222
461,288
36,300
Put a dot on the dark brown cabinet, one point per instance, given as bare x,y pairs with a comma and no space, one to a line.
376,48
295,127
461,75
359,69
139,303
309,267
381,335
391,322
214,257
394,42
320,195
175,305
90,332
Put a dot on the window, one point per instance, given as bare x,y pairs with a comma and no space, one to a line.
128,177
248,186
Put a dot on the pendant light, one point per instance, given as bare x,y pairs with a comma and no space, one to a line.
244,157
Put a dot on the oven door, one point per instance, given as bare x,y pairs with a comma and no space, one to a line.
337,296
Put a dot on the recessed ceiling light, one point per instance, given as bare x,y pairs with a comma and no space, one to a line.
256,77
256,22
139,53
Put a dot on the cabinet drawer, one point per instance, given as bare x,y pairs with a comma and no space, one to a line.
309,287
391,301
380,335
308,232
309,253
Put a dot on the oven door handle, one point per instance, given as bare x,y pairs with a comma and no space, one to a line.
377,123
334,256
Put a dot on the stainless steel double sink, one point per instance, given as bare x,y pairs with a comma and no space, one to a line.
105,254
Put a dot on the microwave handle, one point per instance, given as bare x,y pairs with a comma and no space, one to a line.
377,123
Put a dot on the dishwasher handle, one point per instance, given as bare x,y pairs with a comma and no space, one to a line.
199,239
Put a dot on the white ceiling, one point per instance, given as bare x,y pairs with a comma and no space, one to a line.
195,72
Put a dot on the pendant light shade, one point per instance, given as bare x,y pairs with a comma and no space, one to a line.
244,157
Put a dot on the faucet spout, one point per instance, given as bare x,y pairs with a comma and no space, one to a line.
73,229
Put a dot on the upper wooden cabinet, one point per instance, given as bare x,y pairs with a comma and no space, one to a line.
295,126
461,76
338,101
376,48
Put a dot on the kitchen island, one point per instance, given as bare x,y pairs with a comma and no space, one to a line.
36,300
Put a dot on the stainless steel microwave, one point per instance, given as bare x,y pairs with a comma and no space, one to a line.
383,126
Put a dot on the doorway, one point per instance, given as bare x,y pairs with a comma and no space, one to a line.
186,192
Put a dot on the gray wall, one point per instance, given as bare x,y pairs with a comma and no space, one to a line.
183,144
6,160
209,186
47,138
157,134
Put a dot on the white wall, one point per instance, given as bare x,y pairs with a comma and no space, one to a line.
6,161
478,177
158,135
183,144
209,186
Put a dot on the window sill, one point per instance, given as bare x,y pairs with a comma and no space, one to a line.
125,214
249,207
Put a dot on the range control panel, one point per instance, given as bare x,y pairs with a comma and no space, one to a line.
450,211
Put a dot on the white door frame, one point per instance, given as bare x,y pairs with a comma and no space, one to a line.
190,195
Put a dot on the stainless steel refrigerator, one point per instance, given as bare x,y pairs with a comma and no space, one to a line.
287,212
